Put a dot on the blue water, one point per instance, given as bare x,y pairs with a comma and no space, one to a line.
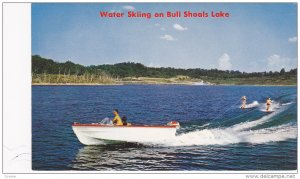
215,133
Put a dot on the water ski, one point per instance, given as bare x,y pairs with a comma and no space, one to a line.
247,107
269,111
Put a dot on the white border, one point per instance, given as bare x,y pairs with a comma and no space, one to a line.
16,87
17,90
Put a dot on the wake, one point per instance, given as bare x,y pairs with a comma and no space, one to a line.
227,136
252,105
238,133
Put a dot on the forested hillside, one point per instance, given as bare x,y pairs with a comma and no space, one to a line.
41,67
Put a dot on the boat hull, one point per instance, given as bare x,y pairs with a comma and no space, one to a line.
89,134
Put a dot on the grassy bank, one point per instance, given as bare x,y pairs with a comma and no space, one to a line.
148,80
104,79
53,79
72,79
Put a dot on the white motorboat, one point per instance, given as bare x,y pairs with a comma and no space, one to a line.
105,132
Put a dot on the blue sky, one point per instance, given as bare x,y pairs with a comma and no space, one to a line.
256,37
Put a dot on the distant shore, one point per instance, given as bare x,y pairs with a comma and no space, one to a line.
128,83
108,84
64,80
73,84
84,80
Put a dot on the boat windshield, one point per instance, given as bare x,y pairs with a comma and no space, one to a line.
106,121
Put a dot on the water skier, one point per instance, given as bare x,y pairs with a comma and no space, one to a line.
244,101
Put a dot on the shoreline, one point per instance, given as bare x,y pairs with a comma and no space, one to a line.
118,84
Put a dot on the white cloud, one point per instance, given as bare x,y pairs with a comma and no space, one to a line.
224,62
167,37
179,27
276,63
293,39
129,8
162,28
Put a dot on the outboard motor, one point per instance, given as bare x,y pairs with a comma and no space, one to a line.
174,123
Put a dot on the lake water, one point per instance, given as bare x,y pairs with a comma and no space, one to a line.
215,133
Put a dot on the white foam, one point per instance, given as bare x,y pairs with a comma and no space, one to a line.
273,134
204,125
229,136
285,104
252,105
250,124
238,133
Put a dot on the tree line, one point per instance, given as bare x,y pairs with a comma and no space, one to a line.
42,65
